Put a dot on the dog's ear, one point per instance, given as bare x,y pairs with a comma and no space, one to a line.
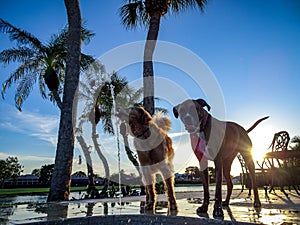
144,115
175,111
203,103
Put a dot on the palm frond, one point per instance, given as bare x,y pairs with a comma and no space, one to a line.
201,4
133,14
20,73
107,125
86,61
24,89
181,5
86,92
42,86
34,58
61,38
21,54
118,83
98,67
86,35
57,47
22,37
136,97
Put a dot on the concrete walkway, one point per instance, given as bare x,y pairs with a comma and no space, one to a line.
278,209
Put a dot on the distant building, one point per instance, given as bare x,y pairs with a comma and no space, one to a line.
30,180
236,179
23,180
180,177
83,181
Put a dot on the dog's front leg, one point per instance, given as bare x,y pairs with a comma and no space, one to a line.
150,197
167,173
148,181
218,212
205,181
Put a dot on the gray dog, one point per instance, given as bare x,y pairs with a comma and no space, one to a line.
219,141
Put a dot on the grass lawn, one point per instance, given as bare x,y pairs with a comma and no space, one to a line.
27,191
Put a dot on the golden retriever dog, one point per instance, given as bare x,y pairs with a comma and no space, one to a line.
154,150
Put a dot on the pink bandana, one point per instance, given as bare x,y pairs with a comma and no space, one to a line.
198,145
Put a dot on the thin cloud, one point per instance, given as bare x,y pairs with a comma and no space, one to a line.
9,126
41,126
24,158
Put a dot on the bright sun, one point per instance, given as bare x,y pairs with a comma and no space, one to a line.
261,138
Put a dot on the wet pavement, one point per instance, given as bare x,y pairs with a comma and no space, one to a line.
278,209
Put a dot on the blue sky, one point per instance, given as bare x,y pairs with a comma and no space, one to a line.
251,48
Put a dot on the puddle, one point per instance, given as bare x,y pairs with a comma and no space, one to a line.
277,210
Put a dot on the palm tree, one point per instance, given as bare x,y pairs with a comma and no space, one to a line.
61,180
43,62
91,176
149,13
96,93
102,111
48,63
129,97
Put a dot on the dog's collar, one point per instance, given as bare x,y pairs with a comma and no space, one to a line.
143,133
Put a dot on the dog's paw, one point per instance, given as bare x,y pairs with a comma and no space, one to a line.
202,209
257,204
218,212
173,206
201,212
173,210
225,203
149,206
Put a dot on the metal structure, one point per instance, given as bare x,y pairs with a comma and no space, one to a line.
281,166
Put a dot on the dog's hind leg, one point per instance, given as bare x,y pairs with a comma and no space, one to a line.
218,212
226,173
250,164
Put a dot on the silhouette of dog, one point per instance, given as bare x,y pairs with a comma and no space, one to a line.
219,141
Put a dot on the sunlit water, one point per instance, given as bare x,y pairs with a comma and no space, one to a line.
25,209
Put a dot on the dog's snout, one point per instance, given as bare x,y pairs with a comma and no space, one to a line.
188,120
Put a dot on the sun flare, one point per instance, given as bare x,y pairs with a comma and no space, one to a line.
261,139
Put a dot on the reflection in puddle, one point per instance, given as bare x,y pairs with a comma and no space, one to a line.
240,210
243,213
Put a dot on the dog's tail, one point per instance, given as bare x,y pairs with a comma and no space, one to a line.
162,121
256,123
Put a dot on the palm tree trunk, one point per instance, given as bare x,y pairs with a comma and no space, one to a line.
131,157
88,160
134,161
61,180
123,132
148,73
102,158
